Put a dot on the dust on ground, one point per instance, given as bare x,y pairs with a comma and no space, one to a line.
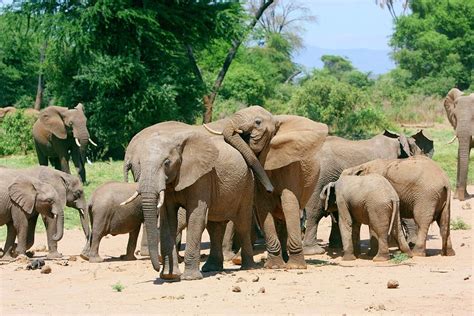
427,285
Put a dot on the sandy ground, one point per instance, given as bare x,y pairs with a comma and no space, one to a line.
430,285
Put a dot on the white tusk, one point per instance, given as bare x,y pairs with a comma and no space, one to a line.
55,215
77,142
210,130
90,141
161,199
452,140
89,161
333,218
130,199
81,211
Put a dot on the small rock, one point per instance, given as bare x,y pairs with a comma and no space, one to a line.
181,297
299,272
272,278
261,290
236,289
46,270
467,278
462,245
255,278
466,206
380,307
233,274
63,263
35,264
72,258
239,280
348,288
392,284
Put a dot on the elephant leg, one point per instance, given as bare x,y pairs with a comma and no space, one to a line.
96,237
345,226
356,238
131,245
444,230
282,237
379,228
168,232
21,226
423,217
196,224
55,162
80,165
228,241
64,164
30,237
9,243
411,231
243,229
464,150
291,210
374,243
52,244
42,158
335,241
314,215
274,258
215,261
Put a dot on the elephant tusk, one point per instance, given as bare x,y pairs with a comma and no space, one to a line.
81,211
90,141
130,199
452,140
77,142
333,218
161,199
210,130
89,161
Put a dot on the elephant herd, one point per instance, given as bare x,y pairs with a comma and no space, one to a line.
251,169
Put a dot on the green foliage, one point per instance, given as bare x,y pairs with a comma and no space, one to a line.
16,134
244,84
399,257
118,287
459,224
434,44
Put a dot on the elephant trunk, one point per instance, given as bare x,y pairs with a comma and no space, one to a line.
59,222
149,203
238,143
463,165
84,217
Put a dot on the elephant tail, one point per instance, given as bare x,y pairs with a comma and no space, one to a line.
396,224
445,220
395,214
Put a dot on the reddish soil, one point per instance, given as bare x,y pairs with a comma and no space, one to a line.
427,285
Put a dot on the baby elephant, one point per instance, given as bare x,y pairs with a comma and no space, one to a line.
369,200
108,216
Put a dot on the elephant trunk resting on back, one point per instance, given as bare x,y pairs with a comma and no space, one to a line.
338,154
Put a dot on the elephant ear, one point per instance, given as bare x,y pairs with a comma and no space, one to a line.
402,139
23,193
326,194
51,117
297,139
450,105
198,158
424,143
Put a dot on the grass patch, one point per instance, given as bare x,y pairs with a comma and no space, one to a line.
399,257
118,287
459,224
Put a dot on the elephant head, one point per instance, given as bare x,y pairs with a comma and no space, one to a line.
270,142
417,144
171,161
31,195
460,111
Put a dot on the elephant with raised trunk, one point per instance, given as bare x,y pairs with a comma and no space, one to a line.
282,151
183,166
424,193
22,198
338,154
460,111
61,133
369,200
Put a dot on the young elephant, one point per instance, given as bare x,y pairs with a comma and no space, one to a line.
369,200
424,193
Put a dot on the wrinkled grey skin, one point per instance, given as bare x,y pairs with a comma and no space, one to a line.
338,154
460,111
21,199
205,176
54,134
71,194
369,200
424,192
281,150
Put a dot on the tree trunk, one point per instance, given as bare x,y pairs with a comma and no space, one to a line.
40,88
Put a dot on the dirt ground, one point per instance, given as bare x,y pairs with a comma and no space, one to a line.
429,285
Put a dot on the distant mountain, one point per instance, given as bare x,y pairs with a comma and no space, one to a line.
376,61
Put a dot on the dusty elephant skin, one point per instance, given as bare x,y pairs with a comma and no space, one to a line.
424,193
460,111
281,150
22,199
60,134
71,194
181,166
369,200
338,154
8,110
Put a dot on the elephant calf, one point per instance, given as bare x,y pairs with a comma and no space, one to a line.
369,200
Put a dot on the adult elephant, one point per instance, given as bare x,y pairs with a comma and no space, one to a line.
460,111
338,154
282,151
21,199
181,166
61,133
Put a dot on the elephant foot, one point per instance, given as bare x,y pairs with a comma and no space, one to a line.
274,262
190,275
335,244
381,257
461,195
96,259
419,252
84,255
449,252
372,253
296,261
54,255
212,265
128,257
228,255
348,257
313,250
171,277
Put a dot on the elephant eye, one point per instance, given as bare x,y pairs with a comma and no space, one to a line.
50,201
258,122
76,194
167,162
